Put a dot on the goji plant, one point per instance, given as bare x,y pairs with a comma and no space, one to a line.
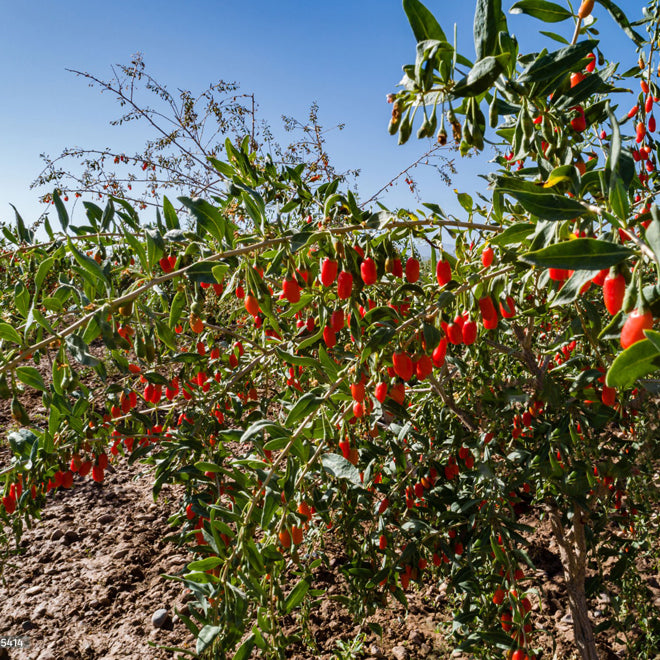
272,353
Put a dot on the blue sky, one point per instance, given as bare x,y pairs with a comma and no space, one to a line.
345,55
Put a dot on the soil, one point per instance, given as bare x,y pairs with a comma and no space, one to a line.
90,580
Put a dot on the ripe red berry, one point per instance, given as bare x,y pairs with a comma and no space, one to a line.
423,367
167,264
398,393
443,272
488,312
403,365
329,336
498,596
412,270
599,279
328,271
579,123
614,291
368,271
454,333
469,332
344,285
381,392
508,308
98,473
337,320
633,329
382,542
487,256
291,290
397,268
439,353
357,392
252,305
558,274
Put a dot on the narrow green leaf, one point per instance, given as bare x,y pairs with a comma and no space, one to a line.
571,289
486,27
80,351
482,75
578,254
245,649
548,12
207,564
171,219
620,17
653,232
61,211
24,234
87,263
555,36
31,377
10,334
638,360
44,267
305,405
22,299
178,303
296,595
422,21
339,467
514,234
538,200
207,636
557,63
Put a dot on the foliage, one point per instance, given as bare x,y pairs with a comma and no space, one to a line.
286,357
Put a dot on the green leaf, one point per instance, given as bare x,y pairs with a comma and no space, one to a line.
88,264
61,211
514,234
578,254
296,595
559,174
207,216
207,636
482,75
557,63
620,17
305,405
555,36
422,21
618,197
486,27
202,272
80,351
654,337
24,234
22,299
339,467
545,11
171,219
178,303
44,267
207,564
539,201
31,377
10,334
245,649
571,289
653,232
638,360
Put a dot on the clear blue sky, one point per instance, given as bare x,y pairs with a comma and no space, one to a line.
346,55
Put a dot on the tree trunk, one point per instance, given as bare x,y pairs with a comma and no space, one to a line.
573,553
